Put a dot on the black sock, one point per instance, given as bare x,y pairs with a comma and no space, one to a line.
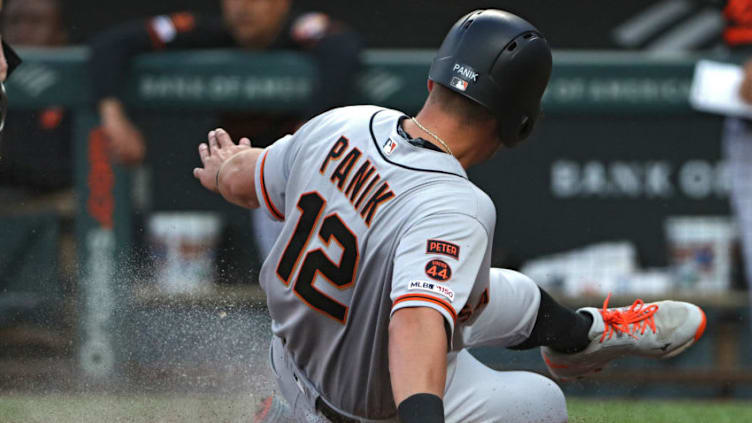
558,328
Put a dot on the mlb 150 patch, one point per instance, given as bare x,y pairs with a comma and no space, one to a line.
438,270
434,287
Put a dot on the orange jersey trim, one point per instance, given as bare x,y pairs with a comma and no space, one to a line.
273,210
428,298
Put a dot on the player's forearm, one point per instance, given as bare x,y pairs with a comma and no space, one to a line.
236,178
417,352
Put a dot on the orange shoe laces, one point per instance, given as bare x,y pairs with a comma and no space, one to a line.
617,320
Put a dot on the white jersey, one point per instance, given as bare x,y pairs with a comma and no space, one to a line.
372,224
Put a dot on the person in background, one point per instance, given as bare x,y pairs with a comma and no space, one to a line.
249,25
35,181
9,61
36,147
737,132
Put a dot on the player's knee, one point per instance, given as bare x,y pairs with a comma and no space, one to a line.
515,280
553,405
526,397
536,398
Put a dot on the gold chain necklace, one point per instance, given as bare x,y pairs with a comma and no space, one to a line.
443,144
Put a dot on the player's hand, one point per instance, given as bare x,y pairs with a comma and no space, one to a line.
214,154
746,88
126,143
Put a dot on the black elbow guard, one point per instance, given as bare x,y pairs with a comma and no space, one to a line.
421,408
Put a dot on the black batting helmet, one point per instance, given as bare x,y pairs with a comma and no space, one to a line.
501,61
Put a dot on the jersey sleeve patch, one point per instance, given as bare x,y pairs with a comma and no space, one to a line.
310,27
437,246
433,287
438,270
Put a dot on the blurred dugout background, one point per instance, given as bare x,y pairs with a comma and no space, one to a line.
622,189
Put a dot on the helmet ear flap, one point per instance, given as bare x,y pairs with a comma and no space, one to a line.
523,130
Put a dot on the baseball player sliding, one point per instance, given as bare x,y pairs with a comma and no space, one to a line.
381,278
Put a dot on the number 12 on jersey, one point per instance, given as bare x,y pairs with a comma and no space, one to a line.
341,275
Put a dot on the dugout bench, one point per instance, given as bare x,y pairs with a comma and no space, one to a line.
601,109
